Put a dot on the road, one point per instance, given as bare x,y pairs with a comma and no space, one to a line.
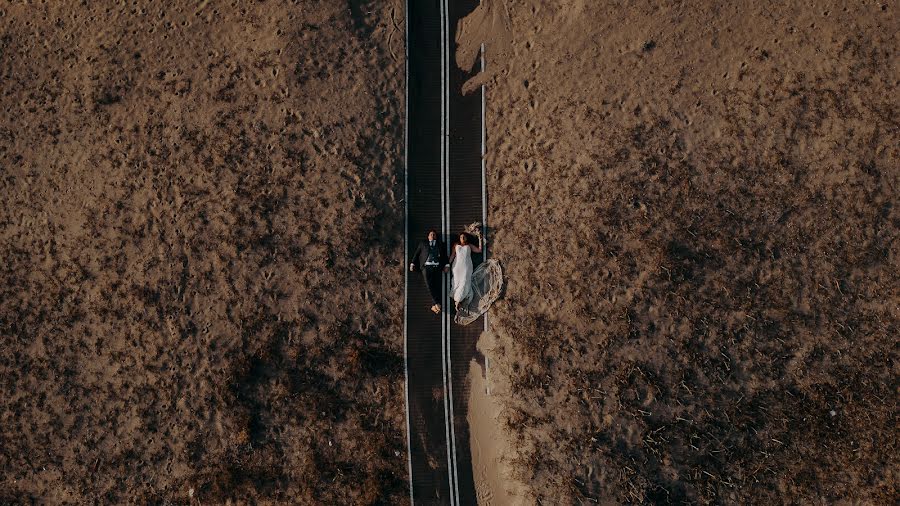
445,191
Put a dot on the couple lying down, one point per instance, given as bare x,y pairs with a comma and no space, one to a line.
470,289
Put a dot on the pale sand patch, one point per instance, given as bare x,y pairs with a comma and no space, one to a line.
492,449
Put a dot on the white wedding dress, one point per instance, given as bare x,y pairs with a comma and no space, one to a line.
461,287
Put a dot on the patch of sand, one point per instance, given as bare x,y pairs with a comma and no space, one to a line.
492,451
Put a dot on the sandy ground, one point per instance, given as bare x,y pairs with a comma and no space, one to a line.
696,208
493,452
200,230
201,244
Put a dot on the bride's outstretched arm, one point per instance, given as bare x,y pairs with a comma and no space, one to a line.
477,249
452,255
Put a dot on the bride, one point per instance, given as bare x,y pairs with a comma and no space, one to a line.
461,264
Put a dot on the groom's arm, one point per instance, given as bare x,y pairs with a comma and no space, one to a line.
415,256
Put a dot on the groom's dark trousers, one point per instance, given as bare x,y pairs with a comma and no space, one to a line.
431,273
433,281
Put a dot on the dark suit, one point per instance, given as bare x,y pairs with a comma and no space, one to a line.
432,274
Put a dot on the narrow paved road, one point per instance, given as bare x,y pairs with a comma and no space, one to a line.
427,403
465,199
444,191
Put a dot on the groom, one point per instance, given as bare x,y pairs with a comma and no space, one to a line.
431,258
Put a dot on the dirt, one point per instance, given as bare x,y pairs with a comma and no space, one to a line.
493,451
201,232
695,205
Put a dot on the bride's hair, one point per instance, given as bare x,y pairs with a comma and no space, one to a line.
462,235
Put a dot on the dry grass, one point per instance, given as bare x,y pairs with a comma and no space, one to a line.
718,322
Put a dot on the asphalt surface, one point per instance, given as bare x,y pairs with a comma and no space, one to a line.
465,207
445,195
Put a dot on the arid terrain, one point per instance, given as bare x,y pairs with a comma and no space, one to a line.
201,240
696,205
